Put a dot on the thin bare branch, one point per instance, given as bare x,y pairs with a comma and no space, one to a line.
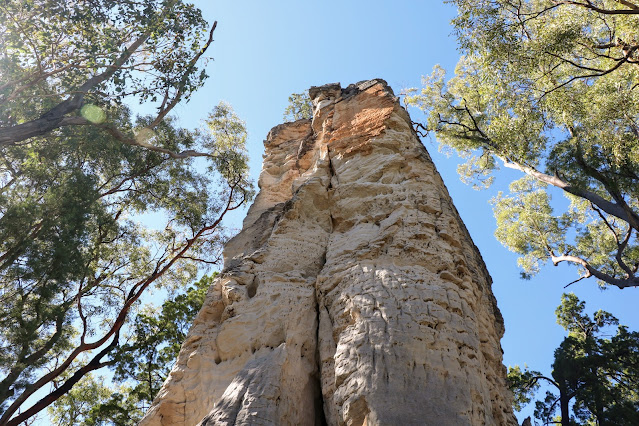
588,5
134,294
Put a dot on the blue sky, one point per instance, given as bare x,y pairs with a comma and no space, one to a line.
264,51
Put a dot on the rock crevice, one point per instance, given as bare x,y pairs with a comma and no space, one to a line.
353,295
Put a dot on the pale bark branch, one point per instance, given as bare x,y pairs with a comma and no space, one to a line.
593,272
122,137
605,205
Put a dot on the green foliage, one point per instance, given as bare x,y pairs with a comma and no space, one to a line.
73,256
598,375
522,385
549,89
526,224
98,207
78,406
140,366
51,47
299,107
155,342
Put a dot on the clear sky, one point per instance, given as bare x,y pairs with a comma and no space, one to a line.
264,51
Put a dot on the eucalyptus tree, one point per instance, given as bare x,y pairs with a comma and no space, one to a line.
596,376
141,365
299,107
549,88
98,207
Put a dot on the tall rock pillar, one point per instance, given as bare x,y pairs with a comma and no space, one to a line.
353,295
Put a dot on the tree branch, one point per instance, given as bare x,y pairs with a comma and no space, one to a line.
55,117
134,294
590,271
94,364
634,10
165,110
119,135
52,119
629,4
605,205
22,363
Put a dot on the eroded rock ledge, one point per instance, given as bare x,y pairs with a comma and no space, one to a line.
353,295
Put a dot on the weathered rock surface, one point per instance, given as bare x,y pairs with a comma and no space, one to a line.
353,295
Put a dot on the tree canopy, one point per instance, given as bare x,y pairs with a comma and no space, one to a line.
141,365
597,376
549,88
299,107
65,63
97,206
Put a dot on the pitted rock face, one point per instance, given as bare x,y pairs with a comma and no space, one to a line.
353,295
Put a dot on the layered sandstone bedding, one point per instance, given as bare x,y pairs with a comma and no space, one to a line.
353,294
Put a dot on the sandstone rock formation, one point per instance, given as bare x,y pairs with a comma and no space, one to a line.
353,295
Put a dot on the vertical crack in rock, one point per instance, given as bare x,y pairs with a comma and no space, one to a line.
320,418
354,294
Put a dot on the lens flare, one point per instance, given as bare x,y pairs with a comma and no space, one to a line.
144,135
93,113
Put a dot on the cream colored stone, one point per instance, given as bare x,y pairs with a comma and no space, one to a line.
353,295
